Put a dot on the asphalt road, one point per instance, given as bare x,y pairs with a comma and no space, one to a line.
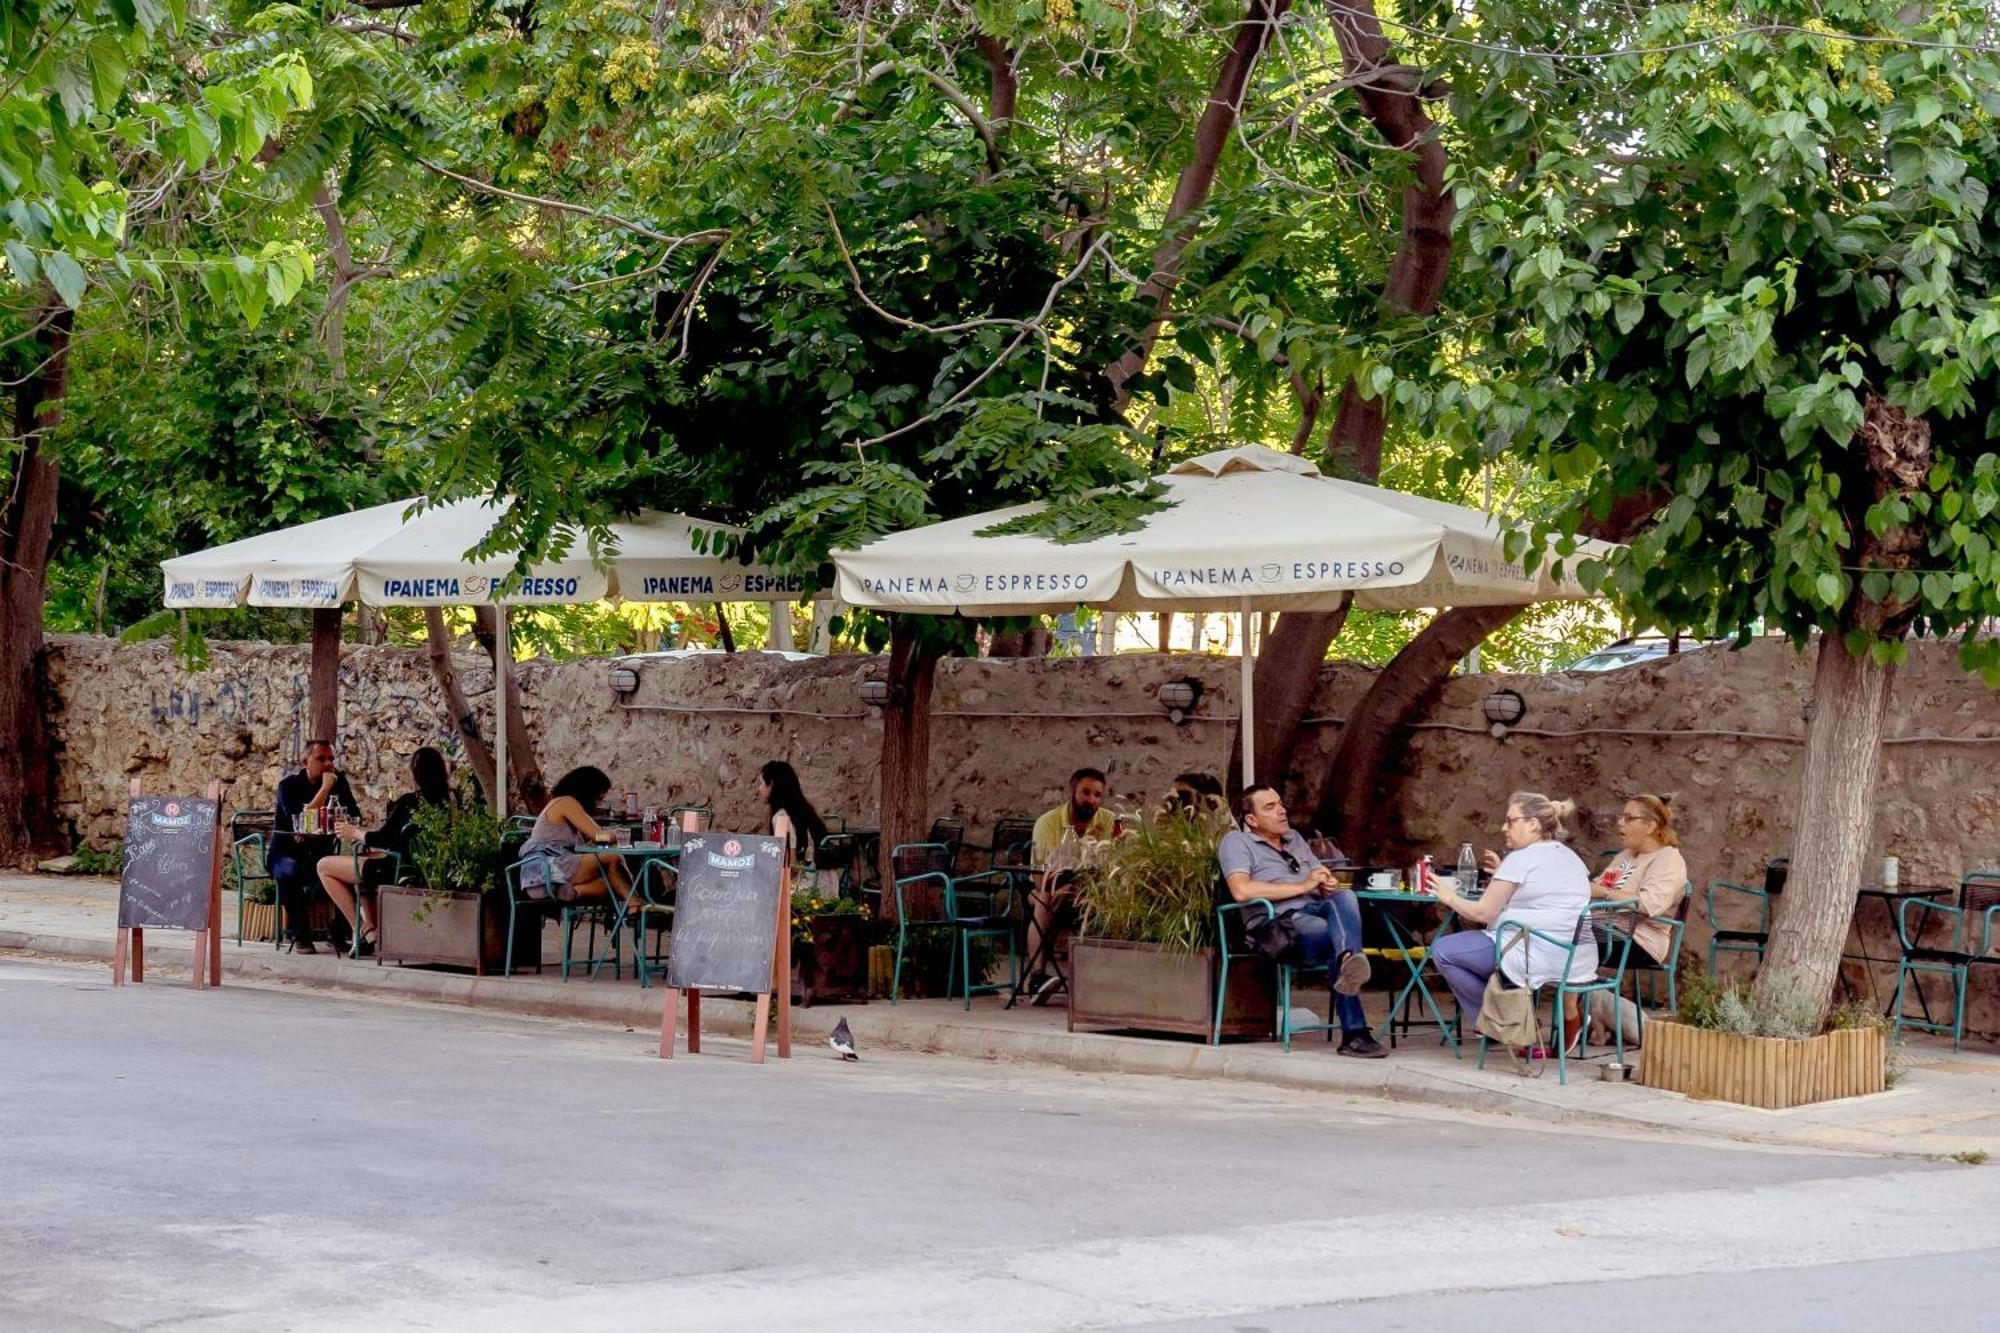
270,1160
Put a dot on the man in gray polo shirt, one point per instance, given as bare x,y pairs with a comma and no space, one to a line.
1268,859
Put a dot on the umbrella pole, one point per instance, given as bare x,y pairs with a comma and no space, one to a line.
1245,628
503,658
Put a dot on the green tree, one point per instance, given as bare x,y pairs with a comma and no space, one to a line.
100,128
1746,267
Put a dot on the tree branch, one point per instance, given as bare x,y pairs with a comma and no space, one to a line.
1006,79
953,94
487,187
1197,178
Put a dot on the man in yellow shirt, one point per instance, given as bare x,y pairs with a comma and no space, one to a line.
1082,815
1057,834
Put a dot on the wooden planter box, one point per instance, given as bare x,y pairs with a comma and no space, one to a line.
1120,984
258,921
1771,1072
834,966
460,929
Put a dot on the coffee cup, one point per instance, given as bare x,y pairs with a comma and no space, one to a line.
1382,879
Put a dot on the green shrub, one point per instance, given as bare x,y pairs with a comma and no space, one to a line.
90,861
1155,885
456,847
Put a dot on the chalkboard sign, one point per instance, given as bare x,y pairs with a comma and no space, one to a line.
169,862
726,912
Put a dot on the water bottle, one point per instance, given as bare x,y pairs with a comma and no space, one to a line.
1468,870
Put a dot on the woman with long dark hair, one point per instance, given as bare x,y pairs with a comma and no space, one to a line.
340,875
568,818
792,815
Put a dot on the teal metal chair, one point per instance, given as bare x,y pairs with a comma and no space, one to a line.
252,870
1640,966
1950,958
927,894
1233,949
1723,941
1510,933
652,910
528,896
986,905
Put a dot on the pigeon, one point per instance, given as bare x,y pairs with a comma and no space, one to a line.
843,1041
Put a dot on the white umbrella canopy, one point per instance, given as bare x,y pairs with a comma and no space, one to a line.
1248,522
1250,529
387,556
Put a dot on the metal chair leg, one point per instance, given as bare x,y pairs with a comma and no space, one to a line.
896,982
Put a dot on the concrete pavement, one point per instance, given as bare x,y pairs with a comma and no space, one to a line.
1945,1104
262,1158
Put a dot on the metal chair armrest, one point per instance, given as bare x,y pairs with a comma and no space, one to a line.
1763,901
1903,936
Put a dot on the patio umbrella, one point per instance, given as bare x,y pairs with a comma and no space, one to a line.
1249,529
388,555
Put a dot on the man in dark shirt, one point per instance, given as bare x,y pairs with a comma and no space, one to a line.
295,856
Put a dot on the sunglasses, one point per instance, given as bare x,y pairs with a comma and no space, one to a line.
1291,862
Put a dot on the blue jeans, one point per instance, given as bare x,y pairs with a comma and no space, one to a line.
1326,928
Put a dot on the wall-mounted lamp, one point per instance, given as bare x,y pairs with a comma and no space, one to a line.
624,680
1179,697
876,692
1503,708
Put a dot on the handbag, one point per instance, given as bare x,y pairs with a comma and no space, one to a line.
1274,938
1507,1014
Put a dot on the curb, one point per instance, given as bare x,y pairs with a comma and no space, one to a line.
882,1026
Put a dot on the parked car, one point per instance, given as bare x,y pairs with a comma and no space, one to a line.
1632,651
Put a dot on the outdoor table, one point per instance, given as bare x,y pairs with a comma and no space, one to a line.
1892,901
635,857
1392,903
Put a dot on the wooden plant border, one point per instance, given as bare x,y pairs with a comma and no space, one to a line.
1771,1072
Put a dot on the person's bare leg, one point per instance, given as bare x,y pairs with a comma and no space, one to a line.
336,876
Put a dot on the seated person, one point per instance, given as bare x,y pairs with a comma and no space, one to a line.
564,822
1198,797
1058,848
793,817
1649,867
337,872
294,856
1267,859
1541,884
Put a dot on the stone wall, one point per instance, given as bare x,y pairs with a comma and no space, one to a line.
1718,730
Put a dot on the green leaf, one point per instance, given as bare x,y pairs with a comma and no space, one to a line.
1928,110
66,276
1828,586
1627,312
22,262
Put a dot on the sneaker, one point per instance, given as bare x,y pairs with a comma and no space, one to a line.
1352,973
1362,1046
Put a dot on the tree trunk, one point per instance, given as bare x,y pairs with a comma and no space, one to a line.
906,746
1031,641
1350,806
522,766
1211,136
1836,816
1287,672
724,635
323,678
438,648
28,823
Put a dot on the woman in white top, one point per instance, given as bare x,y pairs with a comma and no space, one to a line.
1541,884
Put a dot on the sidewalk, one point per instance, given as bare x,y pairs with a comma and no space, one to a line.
1944,1103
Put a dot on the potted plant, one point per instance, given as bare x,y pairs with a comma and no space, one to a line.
448,916
1145,956
1729,1046
830,938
